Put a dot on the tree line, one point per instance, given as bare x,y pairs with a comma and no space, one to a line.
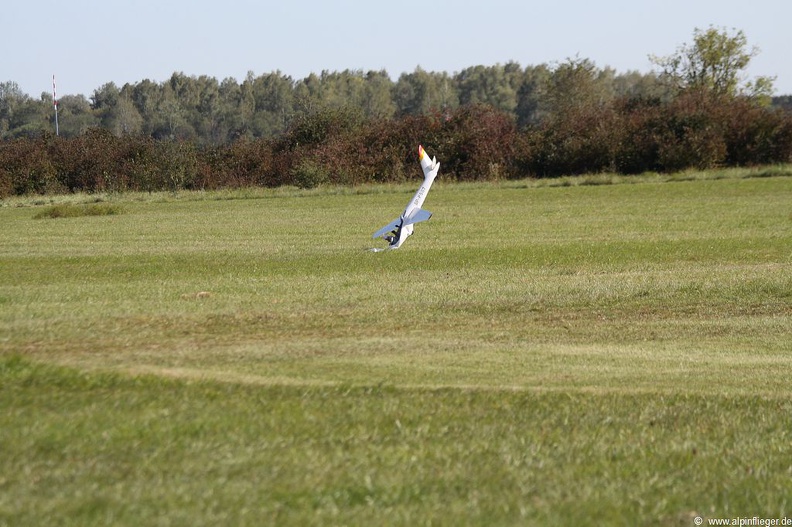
350,127
207,111
212,112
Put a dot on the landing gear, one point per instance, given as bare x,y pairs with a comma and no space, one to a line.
393,239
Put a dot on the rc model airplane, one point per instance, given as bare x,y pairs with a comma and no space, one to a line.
397,231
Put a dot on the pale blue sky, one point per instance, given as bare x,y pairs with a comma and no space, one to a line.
87,43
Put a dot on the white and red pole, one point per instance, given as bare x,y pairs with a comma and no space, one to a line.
55,103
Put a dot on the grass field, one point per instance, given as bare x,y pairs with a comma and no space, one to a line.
616,352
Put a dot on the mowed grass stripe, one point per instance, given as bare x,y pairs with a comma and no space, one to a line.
87,449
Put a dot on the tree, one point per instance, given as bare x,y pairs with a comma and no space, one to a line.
377,101
148,97
342,89
715,63
124,118
420,92
105,97
274,103
635,85
496,86
575,85
208,110
76,116
783,101
11,99
529,94
172,115
308,94
237,105
115,110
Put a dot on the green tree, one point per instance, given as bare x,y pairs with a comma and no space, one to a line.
237,105
169,122
273,98
115,112
208,112
75,115
377,99
308,94
21,115
181,105
529,94
420,92
496,86
634,85
339,90
574,85
147,98
105,97
715,62
124,118
11,100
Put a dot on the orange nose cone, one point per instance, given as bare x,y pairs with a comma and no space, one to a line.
421,152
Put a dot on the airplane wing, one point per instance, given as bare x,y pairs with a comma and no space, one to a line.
387,228
418,215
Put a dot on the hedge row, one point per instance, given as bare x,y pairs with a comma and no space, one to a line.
695,130
474,142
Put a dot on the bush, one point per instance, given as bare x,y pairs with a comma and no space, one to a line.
756,135
309,174
693,133
321,126
478,143
27,168
90,162
473,142
637,135
387,151
75,211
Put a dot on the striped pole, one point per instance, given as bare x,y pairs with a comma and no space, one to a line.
55,103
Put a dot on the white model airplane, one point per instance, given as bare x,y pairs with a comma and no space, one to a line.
397,231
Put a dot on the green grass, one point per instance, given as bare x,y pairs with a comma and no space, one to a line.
597,353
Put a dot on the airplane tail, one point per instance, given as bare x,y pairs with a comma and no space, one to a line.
428,165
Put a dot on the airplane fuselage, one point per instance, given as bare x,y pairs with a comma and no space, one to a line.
402,227
415,204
